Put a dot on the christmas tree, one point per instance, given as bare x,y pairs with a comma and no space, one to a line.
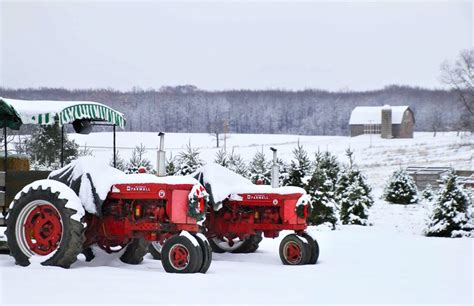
260,169
222,158
238,165
321,190
451,214
232,161
119,162
299,168
284,173
428,193
171,166
353,194
44,147
188,161
401,189
329,162
138,160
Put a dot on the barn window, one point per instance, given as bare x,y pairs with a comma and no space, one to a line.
372,128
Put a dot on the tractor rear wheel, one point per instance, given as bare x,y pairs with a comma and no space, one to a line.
236,245
135,251
155,250
314,247
41,224
250,244
294,251
206,252
181,255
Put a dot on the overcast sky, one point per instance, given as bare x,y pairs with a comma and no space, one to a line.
257,45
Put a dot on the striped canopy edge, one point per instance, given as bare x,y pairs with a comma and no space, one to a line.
13,113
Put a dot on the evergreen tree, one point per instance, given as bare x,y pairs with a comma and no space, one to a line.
321,190
222,158
238,165
188,161
353,194
232,161
138,160
44,147
428,193
401,189
329,162
451,215
171,166
299,168
284,173
120,162
260,169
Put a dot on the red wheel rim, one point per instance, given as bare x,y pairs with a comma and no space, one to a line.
179,257
43,229
292,252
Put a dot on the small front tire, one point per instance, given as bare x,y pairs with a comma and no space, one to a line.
294,251
181,255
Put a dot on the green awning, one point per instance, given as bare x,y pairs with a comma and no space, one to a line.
14,113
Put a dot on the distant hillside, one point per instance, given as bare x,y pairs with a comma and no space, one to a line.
309,112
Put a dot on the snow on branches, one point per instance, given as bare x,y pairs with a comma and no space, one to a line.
401,189
452,211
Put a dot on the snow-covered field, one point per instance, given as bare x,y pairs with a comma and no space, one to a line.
388,262
377,157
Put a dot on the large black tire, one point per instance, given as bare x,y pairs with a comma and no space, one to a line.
300,253
314,249
206,252
181,244
249,245
72,231
155,250
135,251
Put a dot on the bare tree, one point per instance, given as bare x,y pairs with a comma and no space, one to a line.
460,77
436,122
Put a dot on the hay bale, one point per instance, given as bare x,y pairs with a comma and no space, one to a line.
18,162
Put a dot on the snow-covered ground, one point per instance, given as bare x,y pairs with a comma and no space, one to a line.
388,262
377,264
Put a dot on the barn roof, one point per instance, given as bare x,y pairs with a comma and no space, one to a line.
14,113
373,114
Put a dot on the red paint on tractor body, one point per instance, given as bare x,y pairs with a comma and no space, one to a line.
150,210
255,213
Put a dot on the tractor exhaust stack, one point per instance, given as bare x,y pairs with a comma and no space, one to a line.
275,169
161,156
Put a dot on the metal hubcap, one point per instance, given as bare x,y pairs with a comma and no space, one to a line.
292,252
42,229
179,257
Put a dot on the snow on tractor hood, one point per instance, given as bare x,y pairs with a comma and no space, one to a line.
92,179
222,183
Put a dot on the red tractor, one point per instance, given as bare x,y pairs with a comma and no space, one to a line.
240,212
86,204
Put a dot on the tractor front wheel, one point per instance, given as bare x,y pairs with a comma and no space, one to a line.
206,252
181,255
294,250
314,247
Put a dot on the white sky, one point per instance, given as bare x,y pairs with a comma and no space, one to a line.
257,45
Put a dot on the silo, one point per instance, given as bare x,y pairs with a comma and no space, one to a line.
386,127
